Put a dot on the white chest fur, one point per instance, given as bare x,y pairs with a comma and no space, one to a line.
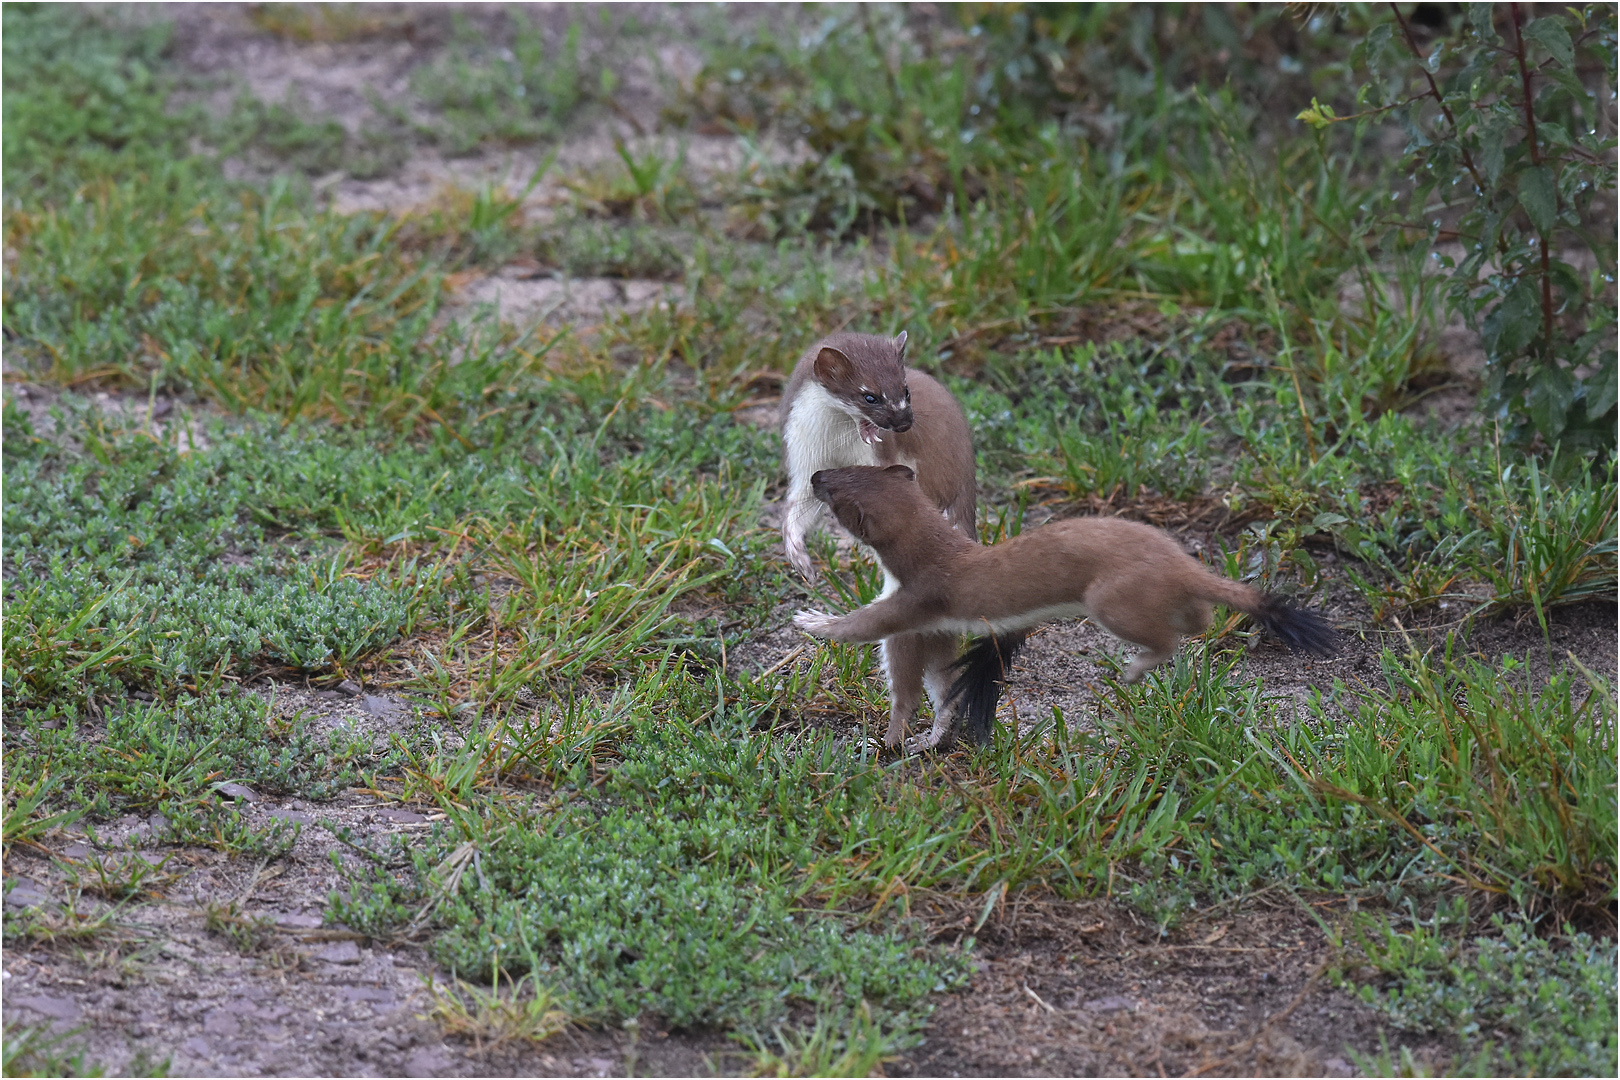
820,434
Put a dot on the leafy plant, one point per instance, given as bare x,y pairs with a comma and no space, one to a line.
1511,153
1547,546
852,1045
1515,1002
118,878
248,934
673,903
652,186
167,756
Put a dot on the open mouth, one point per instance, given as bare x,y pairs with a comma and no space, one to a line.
869,431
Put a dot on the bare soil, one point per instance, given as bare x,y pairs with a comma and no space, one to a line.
1061,988
1090,989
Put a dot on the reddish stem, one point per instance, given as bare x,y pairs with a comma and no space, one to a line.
1434,92
1535,157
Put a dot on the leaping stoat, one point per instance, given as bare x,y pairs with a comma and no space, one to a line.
1130,578
852,401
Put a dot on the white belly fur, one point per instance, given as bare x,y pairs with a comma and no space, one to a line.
820,435
1027,620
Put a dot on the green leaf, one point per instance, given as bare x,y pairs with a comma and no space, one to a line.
1550,132
1318,115
1512,324
1551,392
1480,18
1550,34
1565,78
1538,194
1378,44
1600,388
1490,153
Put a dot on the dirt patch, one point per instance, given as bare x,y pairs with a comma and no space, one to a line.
521,301
160,983
358,71
1061,988
165,418
1090,989
349,710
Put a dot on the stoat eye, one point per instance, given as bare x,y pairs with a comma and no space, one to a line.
871,399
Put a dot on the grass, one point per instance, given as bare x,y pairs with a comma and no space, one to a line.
514,94
548,542
492,1018
39,1051
656,895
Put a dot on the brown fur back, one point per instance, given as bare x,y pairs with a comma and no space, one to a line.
1132,579
1061,562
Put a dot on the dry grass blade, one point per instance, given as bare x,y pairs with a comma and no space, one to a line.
525,1012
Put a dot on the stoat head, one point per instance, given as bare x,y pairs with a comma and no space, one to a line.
866,376
868,500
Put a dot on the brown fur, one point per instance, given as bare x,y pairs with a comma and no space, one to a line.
1130,578
827,423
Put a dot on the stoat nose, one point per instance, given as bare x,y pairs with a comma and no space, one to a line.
902,422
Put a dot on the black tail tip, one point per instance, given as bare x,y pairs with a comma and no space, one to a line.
983,672
1300,630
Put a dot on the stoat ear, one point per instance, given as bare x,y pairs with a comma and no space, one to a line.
900,344
903,470
833,366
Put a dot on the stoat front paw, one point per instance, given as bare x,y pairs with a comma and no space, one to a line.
818,623
799,557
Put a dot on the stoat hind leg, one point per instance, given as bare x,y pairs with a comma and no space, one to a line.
903,660
1137,614
939,656
1146,661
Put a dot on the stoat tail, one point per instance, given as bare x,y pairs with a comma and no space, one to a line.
1301,630
977,689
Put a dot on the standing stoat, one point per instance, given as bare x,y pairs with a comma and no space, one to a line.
852,401
1130,578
